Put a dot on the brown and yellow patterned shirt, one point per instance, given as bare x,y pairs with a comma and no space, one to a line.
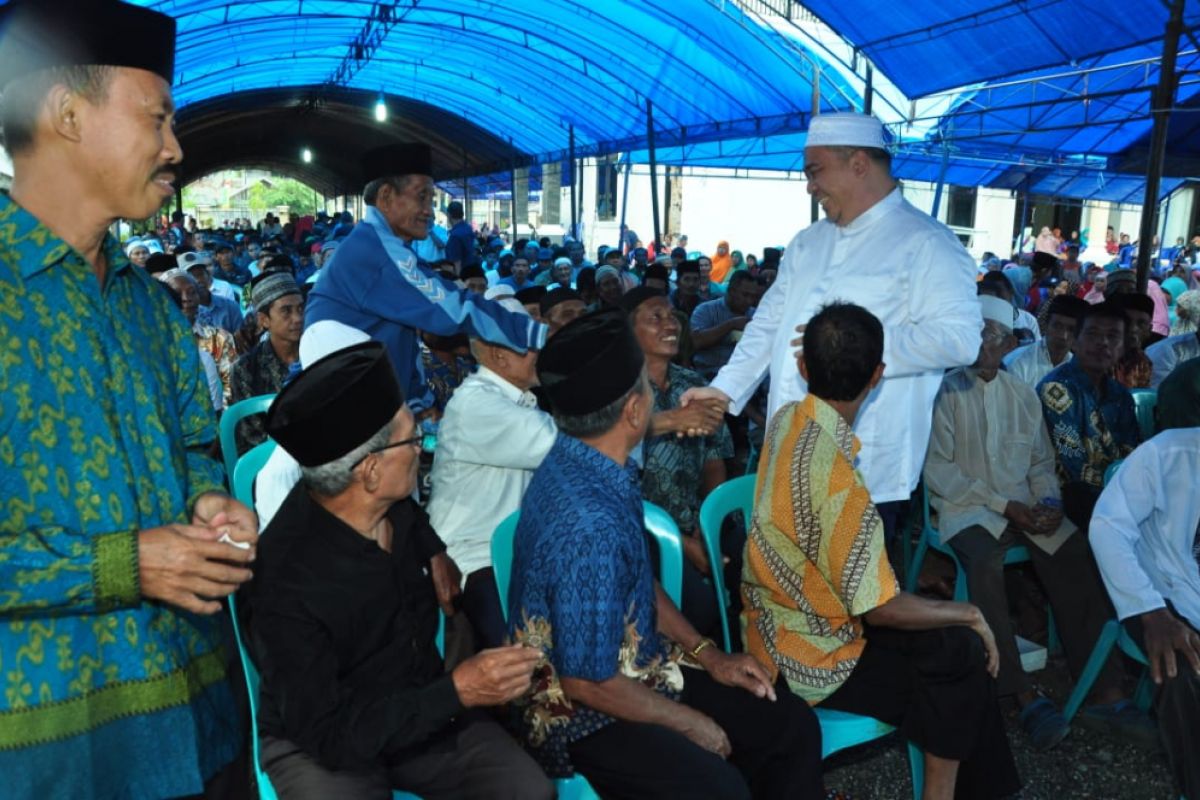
815,559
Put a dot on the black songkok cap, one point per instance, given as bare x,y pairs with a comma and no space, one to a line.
530,294
591,362
656,271
406,158
1044,261
43,34
555,296
1134,302
335,404
1068,305
630,301
160,262
472,271
690,267
678,252
771,256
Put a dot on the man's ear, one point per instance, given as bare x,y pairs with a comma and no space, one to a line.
63,109
635,408
877,375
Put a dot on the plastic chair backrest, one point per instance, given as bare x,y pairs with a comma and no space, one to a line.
733,495
247,469
657,521
229,420
1144,403
1112,470
265,790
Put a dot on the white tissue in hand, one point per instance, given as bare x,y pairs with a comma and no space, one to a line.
225,538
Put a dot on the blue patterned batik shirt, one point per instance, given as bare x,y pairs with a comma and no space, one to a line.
105,414
583,592
1090,429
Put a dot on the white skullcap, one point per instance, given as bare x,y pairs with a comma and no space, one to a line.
498,291
997,310
562,262
845,130
325,337
512,304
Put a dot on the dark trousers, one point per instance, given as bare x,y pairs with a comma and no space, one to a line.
1072,584
481,604
776,750
475,758
1177,709
934,687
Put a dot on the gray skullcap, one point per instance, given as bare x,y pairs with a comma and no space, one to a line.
273,286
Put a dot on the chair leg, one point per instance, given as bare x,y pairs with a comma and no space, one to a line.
916,767
1104,645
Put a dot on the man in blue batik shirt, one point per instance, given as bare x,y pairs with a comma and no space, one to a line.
629,695
1090,417
377,285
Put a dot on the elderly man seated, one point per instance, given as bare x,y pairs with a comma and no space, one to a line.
822,604
629,693
990,474
342,616
491,439
1146,536
1169,353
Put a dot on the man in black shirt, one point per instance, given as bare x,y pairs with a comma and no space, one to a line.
342,613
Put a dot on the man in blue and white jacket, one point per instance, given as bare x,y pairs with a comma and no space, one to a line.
377,285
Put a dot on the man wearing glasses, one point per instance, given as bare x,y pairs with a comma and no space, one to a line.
342,613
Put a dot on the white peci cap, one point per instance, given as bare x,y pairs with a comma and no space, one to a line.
845,130
998,310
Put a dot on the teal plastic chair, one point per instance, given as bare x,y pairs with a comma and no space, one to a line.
931,539
839,729
736,494
1113,633
670,547
247,468
229,420
1144,403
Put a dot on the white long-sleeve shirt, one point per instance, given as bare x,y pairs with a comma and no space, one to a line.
1145,526
1030,363
911,272
1169,353
490,440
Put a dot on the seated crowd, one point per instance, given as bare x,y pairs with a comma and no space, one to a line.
603,674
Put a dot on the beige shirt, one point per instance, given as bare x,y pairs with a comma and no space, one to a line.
988,446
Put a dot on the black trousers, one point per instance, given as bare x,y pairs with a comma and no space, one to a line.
481,604
1177,709
776,750
934,687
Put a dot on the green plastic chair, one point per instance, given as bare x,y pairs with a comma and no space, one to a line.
1144,403
1113,633
229,420
247,468
670,546
839,729
736,494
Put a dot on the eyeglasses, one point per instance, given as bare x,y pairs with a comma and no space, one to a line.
414,441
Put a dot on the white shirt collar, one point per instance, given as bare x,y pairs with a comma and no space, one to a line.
874,213
521,397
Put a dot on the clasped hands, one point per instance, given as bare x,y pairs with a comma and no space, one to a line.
188,566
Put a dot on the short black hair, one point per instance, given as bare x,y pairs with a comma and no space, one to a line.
741,276
843,344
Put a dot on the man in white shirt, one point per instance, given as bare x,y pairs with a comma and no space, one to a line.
1145,533
876,250
1032,362
1170,352
491,439
990,474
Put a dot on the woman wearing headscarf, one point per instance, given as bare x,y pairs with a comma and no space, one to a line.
1187,313
737,262
722,263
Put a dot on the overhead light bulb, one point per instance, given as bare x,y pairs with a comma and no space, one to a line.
306,156
381,111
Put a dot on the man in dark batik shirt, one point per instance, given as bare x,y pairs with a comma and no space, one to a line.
342,612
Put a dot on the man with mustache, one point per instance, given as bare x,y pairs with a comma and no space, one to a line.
111,551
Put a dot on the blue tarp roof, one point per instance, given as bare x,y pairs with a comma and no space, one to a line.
526,71
926,46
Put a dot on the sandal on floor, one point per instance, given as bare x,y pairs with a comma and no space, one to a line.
1044,724
1125,718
